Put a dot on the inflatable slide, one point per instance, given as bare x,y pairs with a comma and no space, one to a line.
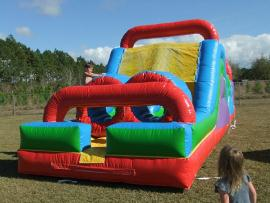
152,119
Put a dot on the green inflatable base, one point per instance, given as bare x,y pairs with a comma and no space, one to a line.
55,136
149,139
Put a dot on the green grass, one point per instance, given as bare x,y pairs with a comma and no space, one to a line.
251,136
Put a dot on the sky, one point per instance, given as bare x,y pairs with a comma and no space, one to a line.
91,28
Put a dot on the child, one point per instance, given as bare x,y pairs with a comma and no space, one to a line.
88,73
235,185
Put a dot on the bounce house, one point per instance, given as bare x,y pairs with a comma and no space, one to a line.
152,119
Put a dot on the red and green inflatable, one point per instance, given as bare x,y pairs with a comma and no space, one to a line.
159,111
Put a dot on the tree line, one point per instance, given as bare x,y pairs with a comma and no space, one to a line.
259,70
26,72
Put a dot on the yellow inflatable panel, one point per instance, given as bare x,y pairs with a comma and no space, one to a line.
95,154
179,59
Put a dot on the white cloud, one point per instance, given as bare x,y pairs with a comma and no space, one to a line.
24,31
98,55
73,55
2,36
243,49
184,38
45,7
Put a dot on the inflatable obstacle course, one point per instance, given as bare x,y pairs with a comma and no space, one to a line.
153,119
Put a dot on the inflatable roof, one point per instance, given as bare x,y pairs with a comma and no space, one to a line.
152,119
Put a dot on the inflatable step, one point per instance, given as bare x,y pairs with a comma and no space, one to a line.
55,136
149,139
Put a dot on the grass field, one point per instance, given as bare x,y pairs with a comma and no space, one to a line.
252,136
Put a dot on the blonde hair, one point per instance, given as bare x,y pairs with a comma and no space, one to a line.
231,166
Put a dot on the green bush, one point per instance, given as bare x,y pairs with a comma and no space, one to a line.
5,98
44,97
2,98
22,98
267,87
258,89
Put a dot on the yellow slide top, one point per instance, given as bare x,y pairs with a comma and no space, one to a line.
179,59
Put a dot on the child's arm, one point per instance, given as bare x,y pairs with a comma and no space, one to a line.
88,74
222,188
252,192
224,197
96,75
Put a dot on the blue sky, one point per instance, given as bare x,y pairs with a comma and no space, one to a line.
92,27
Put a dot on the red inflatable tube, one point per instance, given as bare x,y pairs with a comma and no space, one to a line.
123,114
148,77
152,77
134,94
196,26
229,70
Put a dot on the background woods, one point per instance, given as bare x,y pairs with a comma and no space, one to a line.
32,76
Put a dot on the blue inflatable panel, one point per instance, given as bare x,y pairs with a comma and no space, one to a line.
144,114
231,99
99,114
177,82
207,78
115,60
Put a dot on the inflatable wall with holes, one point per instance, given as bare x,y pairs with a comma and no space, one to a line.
152,119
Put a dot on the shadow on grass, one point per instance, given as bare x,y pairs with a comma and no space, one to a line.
13,154
8,168
158,189
258,155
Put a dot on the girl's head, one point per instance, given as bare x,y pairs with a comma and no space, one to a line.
231,166
89,67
